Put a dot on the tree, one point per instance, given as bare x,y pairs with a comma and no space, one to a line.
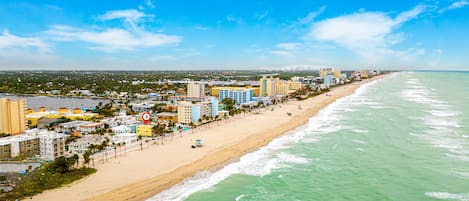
229,103
75,159
140,139
86,156
61,165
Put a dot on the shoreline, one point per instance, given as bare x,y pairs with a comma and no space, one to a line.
221,149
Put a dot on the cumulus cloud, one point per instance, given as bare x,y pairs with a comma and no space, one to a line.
369,34
114,39
8,40
24,51
454,5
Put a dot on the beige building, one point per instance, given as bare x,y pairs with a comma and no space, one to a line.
12,116
270,86
337,73
185,112
196,89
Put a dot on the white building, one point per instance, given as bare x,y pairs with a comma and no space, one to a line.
127,138
72,126
196,89
19,144
121,129
52,145
142,107
126,120
81,145
89,128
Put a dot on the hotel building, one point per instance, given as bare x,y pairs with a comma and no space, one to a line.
215,91
240,96
194,111
12,116
196,89
270,86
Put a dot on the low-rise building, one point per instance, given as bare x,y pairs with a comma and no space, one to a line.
19,145
120,120
167,117
144,130
142,107
72,126
124,138
90,128
81,145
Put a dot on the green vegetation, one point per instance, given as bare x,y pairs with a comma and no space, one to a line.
229,105
61,171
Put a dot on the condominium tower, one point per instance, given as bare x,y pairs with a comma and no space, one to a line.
12,116
195,89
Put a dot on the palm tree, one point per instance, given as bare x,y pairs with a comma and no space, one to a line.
115,149
75,159
140,139
86,157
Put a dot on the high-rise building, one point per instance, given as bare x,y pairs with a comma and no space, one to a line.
240,96
195,111
12,116
196,89
215,91
337,73
267,85
270,86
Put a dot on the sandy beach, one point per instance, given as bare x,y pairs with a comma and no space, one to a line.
141,174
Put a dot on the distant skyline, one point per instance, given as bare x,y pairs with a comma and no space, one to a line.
248,35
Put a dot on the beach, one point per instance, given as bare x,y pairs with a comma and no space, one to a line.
142,174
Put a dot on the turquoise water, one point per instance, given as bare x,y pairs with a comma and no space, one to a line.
405,137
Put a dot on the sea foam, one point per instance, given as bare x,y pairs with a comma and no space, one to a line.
448,196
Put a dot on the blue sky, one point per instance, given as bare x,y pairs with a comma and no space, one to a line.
255,34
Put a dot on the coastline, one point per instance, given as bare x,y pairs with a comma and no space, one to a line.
142,174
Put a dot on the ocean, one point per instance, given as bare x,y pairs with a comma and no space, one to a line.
404,137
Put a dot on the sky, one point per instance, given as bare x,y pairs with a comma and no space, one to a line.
233,34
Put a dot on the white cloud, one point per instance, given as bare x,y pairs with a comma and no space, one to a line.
8,40
201,27
454,5
113,39
17,51
369,34
281,53
261,15
130,17
288,46
310,17
150,4
231,18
